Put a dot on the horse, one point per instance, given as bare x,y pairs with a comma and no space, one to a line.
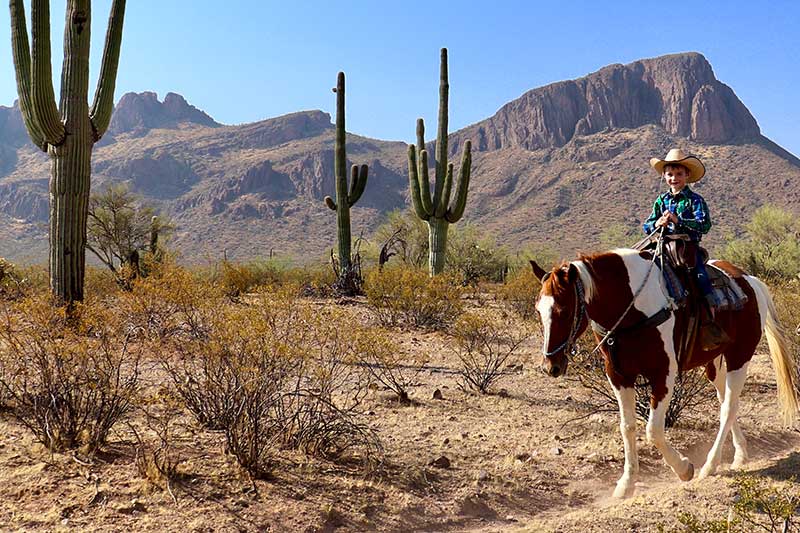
620,291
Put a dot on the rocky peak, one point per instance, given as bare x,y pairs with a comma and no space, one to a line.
138,113
678,92
12,128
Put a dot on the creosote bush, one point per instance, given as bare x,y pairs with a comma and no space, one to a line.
410,297
274,374
485,344
388,364
520,292
758,506
68,378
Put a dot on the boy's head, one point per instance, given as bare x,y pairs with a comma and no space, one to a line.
675,176
678,169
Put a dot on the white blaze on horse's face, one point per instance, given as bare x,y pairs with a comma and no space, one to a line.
545,308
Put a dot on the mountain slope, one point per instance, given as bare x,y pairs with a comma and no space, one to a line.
558,165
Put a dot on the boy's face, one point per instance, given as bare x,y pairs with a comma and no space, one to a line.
676,176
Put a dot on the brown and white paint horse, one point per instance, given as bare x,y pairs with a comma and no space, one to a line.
600,288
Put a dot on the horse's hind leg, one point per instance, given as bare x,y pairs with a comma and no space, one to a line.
715,372
626,398
734,383
662,395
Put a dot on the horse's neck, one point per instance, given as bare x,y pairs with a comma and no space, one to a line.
615,280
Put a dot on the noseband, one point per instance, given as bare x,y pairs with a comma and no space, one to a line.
569,344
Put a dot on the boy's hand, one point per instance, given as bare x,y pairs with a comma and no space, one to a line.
666,218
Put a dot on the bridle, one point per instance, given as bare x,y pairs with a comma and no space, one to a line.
569,344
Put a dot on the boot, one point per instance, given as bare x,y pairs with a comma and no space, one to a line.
712,336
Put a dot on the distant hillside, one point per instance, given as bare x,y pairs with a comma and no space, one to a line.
556,166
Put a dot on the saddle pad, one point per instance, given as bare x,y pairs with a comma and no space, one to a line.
727,292
673,284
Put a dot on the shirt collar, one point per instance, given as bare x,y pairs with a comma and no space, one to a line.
685,192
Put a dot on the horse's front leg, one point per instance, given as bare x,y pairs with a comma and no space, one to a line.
659,402
626,398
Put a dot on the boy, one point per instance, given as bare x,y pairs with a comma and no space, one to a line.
682,211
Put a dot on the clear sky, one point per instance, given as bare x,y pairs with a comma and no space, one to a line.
245,60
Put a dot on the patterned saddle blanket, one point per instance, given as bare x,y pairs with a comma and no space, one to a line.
727,292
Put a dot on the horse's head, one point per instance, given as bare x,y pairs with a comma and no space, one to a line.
563,314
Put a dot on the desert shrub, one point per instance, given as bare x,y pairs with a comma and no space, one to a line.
312,280
17,281
770,248
409,235
69,378
156,459
102,284
237,279
758,506
388,364
484,344
474,256
520,292
175,303
277,373
620,236
409,297
787,301
691,393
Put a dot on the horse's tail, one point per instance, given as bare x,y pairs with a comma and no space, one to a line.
782,362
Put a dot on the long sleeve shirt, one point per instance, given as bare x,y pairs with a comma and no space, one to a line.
690,208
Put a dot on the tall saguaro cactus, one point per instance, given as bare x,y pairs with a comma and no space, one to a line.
438,212
67,131
346,197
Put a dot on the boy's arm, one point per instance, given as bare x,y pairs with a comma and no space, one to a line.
701,218
650,224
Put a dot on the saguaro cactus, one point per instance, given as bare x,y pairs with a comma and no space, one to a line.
437,211
67,131
346,197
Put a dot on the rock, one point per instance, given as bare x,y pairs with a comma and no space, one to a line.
482,476
556,450
437,394
678,92
524,456
440,462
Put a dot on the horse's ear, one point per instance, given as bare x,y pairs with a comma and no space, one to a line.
538,271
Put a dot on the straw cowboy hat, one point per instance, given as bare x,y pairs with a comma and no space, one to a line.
676,156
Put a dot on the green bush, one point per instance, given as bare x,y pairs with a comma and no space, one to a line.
473,256
410,297
770,248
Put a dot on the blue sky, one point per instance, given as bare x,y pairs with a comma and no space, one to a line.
245,60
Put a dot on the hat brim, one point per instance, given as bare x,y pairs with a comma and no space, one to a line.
696,168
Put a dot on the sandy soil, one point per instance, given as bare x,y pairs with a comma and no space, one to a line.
527,458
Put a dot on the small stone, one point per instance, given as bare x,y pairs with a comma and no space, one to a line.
446,441
437,394
524,456
440,462
464,436
483,475
474,507
451,418
556,451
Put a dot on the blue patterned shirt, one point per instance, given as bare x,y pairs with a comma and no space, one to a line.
691,209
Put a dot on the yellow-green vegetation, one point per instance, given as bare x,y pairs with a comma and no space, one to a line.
759,505
408,297
520,292
486,344
68,377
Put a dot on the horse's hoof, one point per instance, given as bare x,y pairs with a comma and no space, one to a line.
623,492
688,474
706,471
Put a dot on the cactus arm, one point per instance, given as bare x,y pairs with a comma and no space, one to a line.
413,181
457,209
22,68
330,203
440,205
425,183
420,135
448,186
103,105
43,98
358,182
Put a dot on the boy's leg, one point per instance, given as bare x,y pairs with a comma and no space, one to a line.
704,282
711,335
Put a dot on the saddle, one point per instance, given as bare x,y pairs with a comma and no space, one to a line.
676,258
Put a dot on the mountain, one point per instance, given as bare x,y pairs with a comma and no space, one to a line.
558,166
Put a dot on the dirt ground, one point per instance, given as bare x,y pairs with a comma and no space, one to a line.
529,457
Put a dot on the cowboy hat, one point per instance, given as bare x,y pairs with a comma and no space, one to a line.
676,156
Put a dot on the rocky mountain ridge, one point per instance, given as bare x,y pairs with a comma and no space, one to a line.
545,161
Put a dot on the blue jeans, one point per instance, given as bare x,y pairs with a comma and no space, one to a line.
703,281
